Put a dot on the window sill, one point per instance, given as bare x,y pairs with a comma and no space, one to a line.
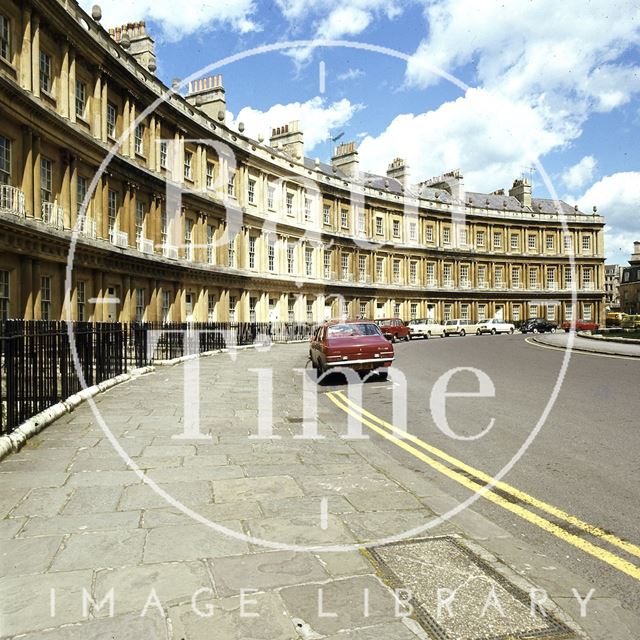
48,97
7,66
82,122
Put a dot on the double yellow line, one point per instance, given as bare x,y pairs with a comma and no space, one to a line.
479,479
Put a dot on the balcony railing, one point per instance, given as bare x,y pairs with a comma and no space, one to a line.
347,277
169,251
483,284
448,284
119,238
12,200
465,284
144,244
87,228
53,215
431,282
365,279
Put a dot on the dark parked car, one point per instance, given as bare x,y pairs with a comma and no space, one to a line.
394,329
358,344
537,325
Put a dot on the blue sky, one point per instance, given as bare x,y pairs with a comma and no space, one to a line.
557,83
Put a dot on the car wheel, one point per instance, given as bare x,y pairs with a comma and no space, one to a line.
534,330
463,333
384,375
567,330
510,332
553,329
478,332
393,338
493,332
427,335
406,338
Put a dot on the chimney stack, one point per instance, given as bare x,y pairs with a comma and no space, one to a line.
289,139
133,37
452,182
399,170
635,256
346,159
521,190
207,94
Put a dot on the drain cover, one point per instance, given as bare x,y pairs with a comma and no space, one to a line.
457,596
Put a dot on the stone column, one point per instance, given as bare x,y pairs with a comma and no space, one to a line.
63,96
65,190
151,153
98,310
96,107
74,205
132,134
35,55
72,85
125,213
66,296
152,308
26,67
126,142
37,207
27,293
35,288
27,169
103,108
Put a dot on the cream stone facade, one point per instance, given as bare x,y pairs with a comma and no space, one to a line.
190,220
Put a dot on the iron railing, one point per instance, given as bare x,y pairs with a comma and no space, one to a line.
38,370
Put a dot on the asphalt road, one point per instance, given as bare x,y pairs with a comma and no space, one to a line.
584,459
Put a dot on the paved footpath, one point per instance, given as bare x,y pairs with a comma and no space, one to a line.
78,525
590,345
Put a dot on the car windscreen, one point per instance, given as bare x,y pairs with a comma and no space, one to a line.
353,329
450,322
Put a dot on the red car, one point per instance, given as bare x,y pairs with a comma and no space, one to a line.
581,325
394,329
357,344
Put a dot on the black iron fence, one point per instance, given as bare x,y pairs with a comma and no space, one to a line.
40,365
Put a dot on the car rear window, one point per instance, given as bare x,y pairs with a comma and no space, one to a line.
450,322
353,329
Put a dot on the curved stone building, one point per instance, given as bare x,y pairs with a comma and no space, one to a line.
192,220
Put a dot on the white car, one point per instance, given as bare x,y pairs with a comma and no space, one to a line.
425,328
459,327
493,326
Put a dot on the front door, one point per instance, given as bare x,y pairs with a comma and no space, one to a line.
500,312
111,305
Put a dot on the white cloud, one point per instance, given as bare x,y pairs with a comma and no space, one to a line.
618,199
178,21
350,74
579,174
490,137
333,19
563,59
534,47
316,118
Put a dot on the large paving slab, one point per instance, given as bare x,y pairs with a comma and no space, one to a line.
74,518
